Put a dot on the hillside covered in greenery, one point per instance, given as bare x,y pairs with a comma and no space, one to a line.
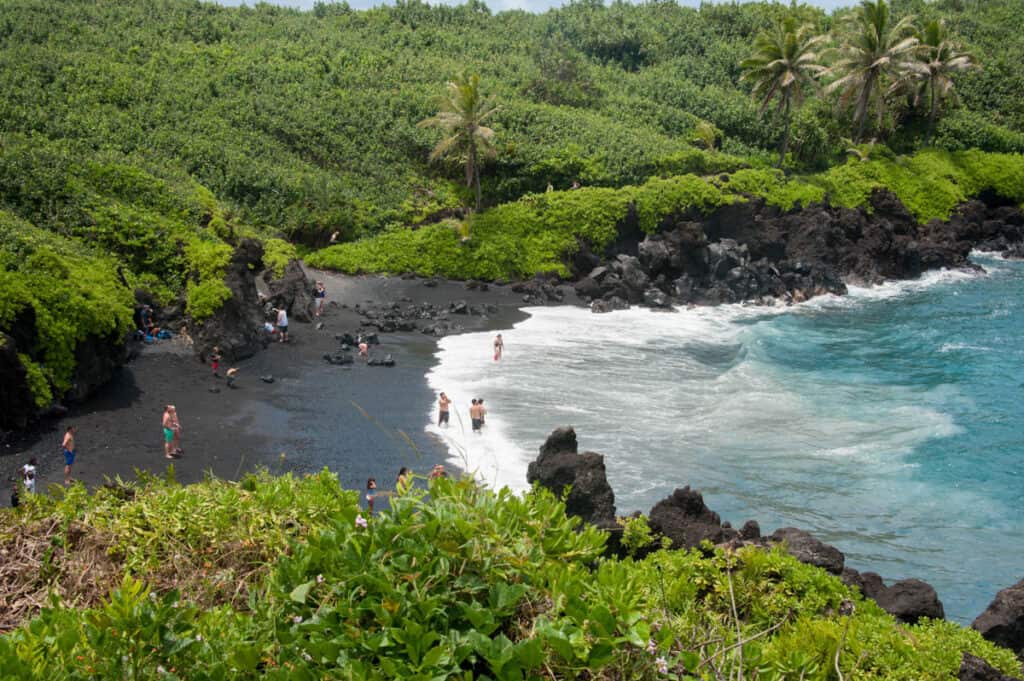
306,122
140,141
285,578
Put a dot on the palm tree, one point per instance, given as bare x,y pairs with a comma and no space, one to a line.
462,113
875,50
940,58
783,64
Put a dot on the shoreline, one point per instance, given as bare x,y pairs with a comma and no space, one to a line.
376,414
356,420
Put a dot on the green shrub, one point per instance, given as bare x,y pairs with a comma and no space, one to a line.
38,384
73,292
284,578
277,253
206,293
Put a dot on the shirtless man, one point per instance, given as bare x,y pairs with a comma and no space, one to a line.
499,347
171,431
474,415
442,410
68,449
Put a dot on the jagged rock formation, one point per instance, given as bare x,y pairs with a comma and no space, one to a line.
237,327
685,520
1003,620
750,251
560,465
973,668
293,292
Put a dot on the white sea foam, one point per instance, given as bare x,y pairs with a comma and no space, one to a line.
649,388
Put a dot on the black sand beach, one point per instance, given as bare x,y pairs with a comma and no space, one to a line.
357,420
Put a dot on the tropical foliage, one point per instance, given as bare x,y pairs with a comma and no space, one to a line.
783,65
144,138
463,113
538,232
284,578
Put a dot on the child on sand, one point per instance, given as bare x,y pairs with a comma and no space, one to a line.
28,475
215,361
499,347
319,294
231,374
282,324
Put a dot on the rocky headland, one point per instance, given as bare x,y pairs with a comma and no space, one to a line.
683,521
754,252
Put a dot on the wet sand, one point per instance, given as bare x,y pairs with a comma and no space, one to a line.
357,420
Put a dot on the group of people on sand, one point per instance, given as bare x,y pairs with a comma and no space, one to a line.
28,472
402,484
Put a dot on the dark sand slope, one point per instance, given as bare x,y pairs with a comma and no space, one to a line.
350,419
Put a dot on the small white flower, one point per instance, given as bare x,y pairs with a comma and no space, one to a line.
360,521
306,656
199,637
662,665
160,669
297,619
652,647
319,579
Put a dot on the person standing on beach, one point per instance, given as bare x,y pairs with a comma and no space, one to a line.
318,297
171,432
215,361
68,449
404,480
371,494
442,410
282,324
480,409
499,347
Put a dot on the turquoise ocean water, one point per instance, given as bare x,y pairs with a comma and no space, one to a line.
889,422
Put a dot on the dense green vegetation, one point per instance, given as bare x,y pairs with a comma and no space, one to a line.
145,138
307,121
534,234
283,578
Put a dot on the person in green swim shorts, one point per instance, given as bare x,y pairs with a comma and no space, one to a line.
171,430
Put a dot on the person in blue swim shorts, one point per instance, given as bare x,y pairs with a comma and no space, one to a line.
68,447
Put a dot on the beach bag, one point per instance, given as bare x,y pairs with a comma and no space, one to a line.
164,334
149,339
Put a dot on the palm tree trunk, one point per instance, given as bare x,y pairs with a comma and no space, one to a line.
476,170
862,106
932,115
784,144
472,169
